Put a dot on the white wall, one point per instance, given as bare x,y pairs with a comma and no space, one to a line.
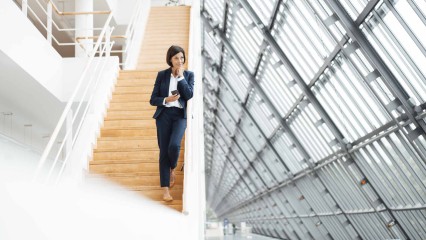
194,201
15,157
25,45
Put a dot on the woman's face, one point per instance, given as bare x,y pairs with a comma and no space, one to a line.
178,60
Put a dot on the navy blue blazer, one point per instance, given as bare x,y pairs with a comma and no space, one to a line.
161,90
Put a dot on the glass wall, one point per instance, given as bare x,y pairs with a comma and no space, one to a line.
315,116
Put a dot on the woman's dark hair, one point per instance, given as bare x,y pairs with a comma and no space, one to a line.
173,50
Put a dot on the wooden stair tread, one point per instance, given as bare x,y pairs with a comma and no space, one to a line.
137,174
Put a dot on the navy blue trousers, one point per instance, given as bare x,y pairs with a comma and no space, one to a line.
171,126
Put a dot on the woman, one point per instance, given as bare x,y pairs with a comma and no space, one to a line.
172,89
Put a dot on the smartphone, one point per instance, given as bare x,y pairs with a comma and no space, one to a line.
175,92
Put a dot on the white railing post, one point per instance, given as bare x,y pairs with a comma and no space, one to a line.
25,7
108,41
68,129
49,22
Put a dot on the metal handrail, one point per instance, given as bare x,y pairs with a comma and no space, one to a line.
67,110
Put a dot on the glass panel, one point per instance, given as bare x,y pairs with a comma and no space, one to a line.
399,47
311,131
395,170
354,7
262,114
263,9
245,37
288,152
216,8
302,37
277,83
348,101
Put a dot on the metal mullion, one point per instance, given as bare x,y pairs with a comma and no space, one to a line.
237,42
298,78
256,40
352,97
379,182
362,4
302,135
329,103
296,37
359,227
408,148
296,51
352,114
407,196
258,156
375,59
380,231
318,38
324,28
244,34
258,127
227,126
410,65
368,170
406,27
275,99
308,118
293,138
287,152
319,135
250,163
417,10
344,41
368,90
261,163
241,38
401,171
333,177
319,203
377,233
383,49
339,170
224,165
351,7
255,111
280,83
409,226
295,214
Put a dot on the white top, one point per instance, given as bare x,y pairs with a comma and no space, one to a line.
173,86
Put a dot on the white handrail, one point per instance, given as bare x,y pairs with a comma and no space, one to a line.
72,99
103,50
130,32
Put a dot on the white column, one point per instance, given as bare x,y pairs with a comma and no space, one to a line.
84,26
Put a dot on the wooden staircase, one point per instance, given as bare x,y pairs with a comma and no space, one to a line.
127,149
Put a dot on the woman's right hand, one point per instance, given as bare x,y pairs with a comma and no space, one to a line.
172,98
